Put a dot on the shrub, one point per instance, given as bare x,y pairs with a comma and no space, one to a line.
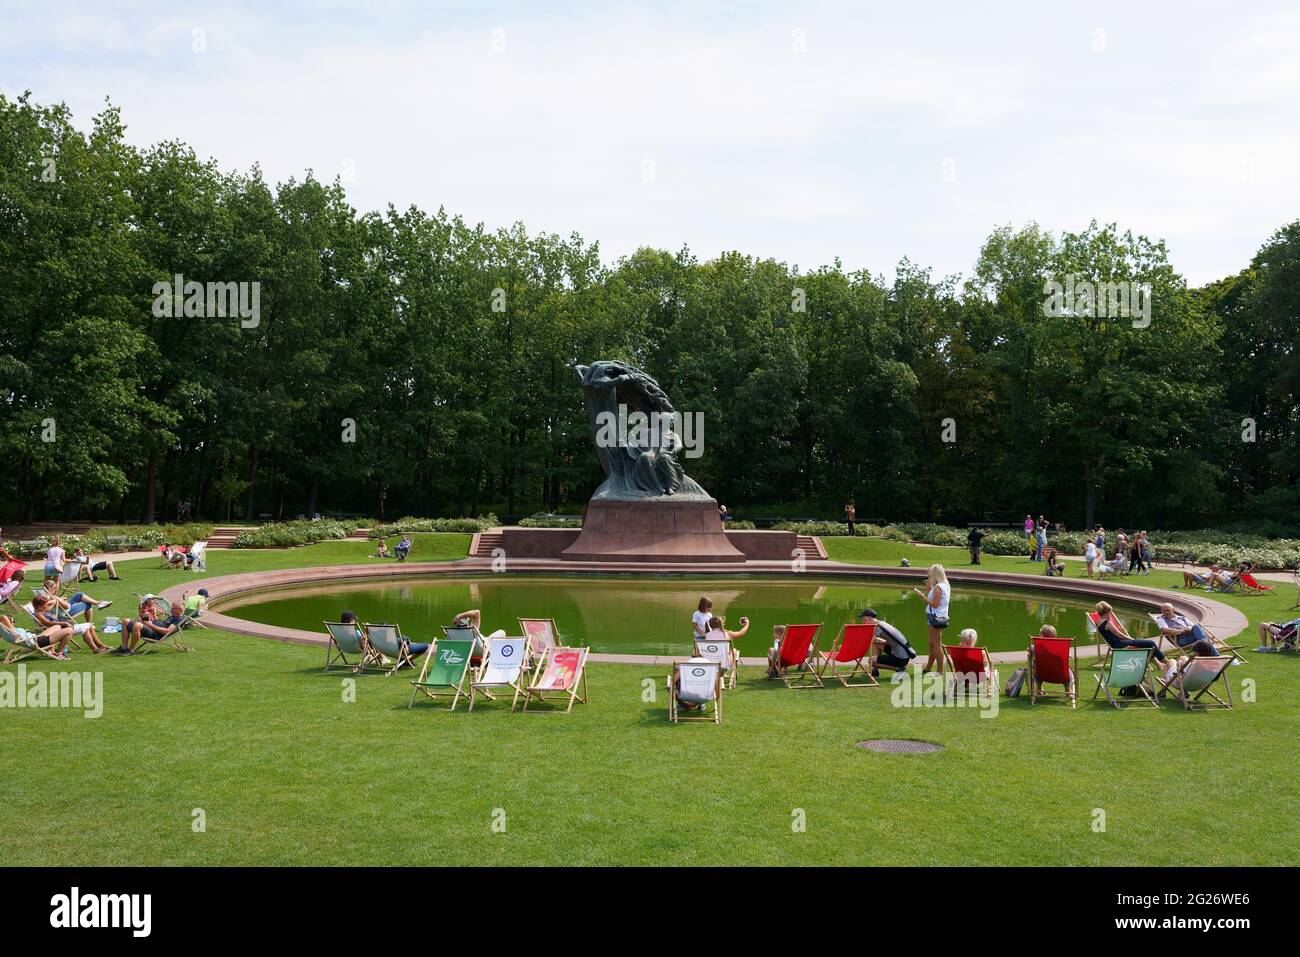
412,524
551,521
738,525
823,529
288,534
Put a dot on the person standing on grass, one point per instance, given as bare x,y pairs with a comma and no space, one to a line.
974,540
1042,538
851,516
1029,535
937,595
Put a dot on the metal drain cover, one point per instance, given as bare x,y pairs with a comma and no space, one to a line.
900,746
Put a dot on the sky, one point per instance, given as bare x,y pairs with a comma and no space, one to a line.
805,132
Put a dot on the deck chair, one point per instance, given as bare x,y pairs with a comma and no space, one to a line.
388,641
199,553
503,670
561,677
29,610
798,649
472,634
696,682
18,648
723,652
445,669
542,634
1195,677
1127,668
852,646
346,638
972,660
1053,661
1177,651
1252,585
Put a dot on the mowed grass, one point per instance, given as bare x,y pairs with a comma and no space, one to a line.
286,771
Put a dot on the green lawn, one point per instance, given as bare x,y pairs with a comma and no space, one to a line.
287,772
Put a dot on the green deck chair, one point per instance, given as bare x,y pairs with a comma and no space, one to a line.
1125,668
1195,677
446,667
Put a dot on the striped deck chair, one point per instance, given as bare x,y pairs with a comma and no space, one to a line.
1127,668
696,682
388,641
798,650
561,677
1053,661
542,633
852,646
1195,677
503,670
347,638
973,665
723,652
19,647
446,667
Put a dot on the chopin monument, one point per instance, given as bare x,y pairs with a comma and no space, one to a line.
647,509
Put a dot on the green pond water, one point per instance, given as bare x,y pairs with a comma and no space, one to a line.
643,615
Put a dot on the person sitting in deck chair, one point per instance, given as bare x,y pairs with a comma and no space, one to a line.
1193,580
46,614
403,548
1049,631
1278,635
1109,627
473,618
88,568
149,626
78,604
1182,632
56,636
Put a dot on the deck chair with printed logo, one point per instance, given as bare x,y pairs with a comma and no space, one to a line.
388,641
1196,676
542,633
797,651
1126,668
347,638
470,633
561,678
971,665
504,669
19,646
693,685
1053,661
852,647
444,673
723,652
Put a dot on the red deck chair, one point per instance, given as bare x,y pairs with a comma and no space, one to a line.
967,660
798,645
851,646
1053,661
1252,585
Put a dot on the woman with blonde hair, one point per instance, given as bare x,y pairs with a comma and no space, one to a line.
937,595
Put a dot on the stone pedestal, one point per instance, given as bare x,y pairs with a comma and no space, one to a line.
652,530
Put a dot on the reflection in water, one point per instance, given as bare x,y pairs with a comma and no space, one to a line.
638,615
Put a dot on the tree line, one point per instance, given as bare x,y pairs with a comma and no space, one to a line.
404,361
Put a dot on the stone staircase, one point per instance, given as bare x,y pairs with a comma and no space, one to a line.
811,546
223,536
485,542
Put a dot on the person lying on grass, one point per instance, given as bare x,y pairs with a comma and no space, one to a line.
47,616
1181,631
1109,627
55,635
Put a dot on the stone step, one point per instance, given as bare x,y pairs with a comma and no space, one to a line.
487,541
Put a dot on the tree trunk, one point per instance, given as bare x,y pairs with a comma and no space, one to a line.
1091,498
252,482
313,492
150,489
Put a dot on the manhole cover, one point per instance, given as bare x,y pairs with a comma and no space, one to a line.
900,746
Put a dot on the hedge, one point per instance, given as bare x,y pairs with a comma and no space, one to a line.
288,534
413,524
